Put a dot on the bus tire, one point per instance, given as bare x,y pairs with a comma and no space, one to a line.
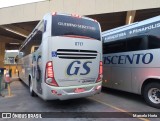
32,93
151,94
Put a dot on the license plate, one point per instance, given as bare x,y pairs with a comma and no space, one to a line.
79,90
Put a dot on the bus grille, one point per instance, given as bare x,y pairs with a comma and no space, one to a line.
76,54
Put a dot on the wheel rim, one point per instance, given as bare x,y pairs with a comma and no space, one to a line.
154,95
31,87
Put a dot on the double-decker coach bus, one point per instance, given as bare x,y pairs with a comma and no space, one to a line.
132,59
62,57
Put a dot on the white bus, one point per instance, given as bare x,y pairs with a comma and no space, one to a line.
132,59
62,57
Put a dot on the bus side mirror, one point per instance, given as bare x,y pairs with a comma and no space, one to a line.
20,54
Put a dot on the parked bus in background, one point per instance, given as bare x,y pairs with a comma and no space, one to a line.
132,59
62,57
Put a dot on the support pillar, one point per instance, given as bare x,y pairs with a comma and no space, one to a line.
2,53
130,17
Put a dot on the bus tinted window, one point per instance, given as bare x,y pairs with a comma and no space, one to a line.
67,25
114,47
126,45
136,43
34,42
153,42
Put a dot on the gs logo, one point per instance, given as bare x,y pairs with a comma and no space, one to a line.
77,65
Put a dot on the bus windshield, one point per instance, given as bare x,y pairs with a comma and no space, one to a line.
68,25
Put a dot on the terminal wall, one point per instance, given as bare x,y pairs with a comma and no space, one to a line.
35,11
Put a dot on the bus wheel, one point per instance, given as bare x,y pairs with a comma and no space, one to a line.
152,94
31,89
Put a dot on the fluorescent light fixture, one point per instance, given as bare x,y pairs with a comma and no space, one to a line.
14,43
130,18
11,50
15,32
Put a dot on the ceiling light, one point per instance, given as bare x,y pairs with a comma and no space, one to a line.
11,50
16,32
130,18
14,43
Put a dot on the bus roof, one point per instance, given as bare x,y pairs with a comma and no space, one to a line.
74,15
132,26
50,14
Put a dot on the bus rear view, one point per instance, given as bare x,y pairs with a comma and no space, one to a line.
69,58
75,57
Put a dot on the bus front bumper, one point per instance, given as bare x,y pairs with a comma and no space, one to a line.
64,93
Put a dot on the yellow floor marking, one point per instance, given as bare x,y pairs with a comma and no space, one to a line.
121,110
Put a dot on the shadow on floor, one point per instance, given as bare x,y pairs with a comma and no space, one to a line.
123,94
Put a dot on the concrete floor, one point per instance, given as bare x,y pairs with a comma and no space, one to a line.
107,101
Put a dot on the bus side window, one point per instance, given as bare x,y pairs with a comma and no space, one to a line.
34,40
153,42
136,43
114,47
34,48
34,43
